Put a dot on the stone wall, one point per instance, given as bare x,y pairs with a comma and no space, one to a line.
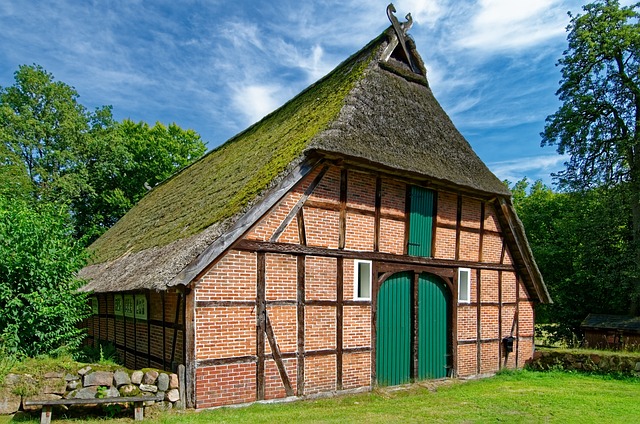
602,362
88,383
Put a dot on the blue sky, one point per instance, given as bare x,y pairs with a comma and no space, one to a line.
217,67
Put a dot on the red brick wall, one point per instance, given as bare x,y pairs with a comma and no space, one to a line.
227,331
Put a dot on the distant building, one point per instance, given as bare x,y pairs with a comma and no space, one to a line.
604,331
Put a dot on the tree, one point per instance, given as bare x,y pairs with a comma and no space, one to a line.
42,123
598,123
122,162
582,243
55,150
40,305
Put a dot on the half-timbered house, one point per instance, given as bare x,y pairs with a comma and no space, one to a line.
350,238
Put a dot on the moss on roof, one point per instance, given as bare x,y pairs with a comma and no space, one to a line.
227,179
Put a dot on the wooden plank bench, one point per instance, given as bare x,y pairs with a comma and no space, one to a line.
138,404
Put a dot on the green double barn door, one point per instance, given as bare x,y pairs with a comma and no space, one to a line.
399,317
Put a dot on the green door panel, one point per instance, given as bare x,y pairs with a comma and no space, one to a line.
432,327
421,214
393,345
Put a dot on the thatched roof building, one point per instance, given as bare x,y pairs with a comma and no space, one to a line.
364,111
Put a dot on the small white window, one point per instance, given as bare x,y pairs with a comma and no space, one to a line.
362,280
464,285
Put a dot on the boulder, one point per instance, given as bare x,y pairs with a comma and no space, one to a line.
98,378
112,392
148,388
121,378
150,377
129,390
84,370
136,377
172,395
11,380
163,382
72,385
71,377
57,386
86,393
9,403
173,381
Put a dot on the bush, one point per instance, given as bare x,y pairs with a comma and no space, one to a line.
40,305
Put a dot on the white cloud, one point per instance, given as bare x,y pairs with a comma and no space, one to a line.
512,25
532,167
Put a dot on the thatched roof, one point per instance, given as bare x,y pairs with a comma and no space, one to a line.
372,108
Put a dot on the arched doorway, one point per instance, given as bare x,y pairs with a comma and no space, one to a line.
412,328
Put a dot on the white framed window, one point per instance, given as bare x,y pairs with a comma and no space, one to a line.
464,285
362,280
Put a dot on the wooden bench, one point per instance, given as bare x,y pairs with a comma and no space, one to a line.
138,404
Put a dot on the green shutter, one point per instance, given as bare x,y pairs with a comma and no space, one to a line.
421,213
393,346
432,327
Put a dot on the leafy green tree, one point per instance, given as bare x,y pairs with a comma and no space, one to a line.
598,123
40,305
125,160
42,123
55,150
582,244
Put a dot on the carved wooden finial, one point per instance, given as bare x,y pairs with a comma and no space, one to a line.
401,29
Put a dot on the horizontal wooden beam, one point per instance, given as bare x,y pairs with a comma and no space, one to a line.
296,249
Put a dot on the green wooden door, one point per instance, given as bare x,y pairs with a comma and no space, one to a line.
432,327
393,344
421,213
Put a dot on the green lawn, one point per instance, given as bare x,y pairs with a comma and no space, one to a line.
526,397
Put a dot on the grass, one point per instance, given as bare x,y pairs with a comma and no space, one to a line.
518,397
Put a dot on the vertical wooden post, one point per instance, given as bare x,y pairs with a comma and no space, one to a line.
458,224
260,324
375,287
478,321
148,297
339,319
378,207
182,385
300,302
189,340
45,415
164,331
517,317
500,319
481,236
342,236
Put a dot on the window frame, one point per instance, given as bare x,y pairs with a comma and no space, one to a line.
468,282
356,278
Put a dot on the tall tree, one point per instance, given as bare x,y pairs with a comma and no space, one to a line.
598,123
582,243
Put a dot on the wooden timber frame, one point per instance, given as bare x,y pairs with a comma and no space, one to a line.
383,265
122,332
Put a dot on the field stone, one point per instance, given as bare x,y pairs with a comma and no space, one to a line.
129,390
172,395
84,370
637,366
163,382
71,377
55,386
136,377
121,378
72,385
149,388
86,393
53,375
11,380
112,392
98,378
173,381
150,377
9,403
